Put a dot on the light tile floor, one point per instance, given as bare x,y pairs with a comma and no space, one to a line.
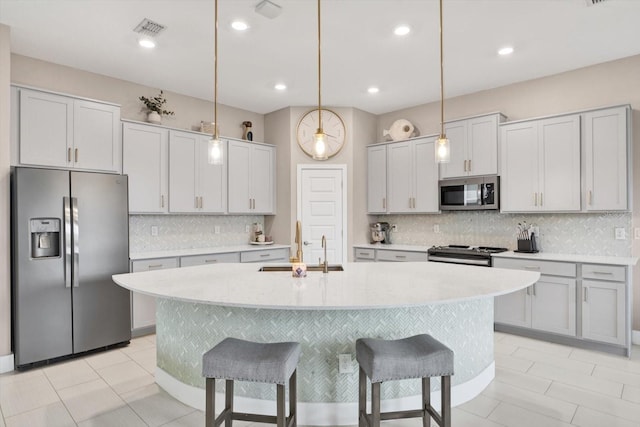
537,384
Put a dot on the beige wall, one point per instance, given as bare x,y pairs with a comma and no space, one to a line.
5,278
607,84
189,111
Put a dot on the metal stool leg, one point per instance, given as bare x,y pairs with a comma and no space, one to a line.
280,416
426,401
210,403
293,398
228,402
375,404
445,398
362,399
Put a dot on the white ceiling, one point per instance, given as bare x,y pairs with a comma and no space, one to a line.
358,46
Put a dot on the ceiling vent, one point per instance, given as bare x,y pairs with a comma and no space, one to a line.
594,2
268,9
149,28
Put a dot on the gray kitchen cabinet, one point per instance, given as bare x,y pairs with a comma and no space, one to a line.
384,253
474,147
540,165
195,185
188,261
548,305
604,304
251,175
364,255
146,160
377,179
66,132
266,255
412,176
143,307
606,159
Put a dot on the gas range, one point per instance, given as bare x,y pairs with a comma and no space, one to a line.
462,254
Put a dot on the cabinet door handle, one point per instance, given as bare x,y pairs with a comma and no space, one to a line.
534,289
401,256
154,266
608,273
590,198
162,201
77,151
529,290
465,165
384,203
201,202
540,199
197,202
265,255
249,203
469,165
209,261
69,155
584,294
535,199
531,267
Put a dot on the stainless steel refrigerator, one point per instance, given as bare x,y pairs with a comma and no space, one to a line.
70,233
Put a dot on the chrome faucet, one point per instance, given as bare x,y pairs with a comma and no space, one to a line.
325,264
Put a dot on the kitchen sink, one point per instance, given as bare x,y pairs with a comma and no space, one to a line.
336,267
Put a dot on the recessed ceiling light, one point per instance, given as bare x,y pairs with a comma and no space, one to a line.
239,25
280,86
373,89
401,30
147,42
507,50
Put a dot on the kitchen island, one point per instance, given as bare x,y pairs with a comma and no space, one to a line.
199,306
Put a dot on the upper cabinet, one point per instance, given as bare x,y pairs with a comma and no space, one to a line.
474,147
412,176
251,178
65,132
541,165
377,179
145,160
195,185
605,153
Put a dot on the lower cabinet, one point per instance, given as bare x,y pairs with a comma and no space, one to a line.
267,255
388,255
188,261
143,307
589,303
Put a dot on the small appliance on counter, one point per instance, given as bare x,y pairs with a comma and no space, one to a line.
381,233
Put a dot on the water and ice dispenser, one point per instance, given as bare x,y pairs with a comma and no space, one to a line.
45,237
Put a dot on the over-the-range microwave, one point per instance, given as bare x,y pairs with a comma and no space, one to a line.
478,193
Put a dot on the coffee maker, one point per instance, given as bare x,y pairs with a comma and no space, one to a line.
380,232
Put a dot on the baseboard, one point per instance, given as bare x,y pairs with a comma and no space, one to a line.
323,414
6,363
635,337
140,332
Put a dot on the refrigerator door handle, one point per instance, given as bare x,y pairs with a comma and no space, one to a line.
67,242
76,247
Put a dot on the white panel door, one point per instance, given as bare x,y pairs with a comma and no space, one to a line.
457,134
239,196
482,145
182,173
262,183
514,308
603,311
400,177
426,172
321,206
553,306
377,179
520,167
212,179
95,135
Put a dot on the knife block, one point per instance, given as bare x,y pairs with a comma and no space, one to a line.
528,246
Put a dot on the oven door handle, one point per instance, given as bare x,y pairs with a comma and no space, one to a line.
482,262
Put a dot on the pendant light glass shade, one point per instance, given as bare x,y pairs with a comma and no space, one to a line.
443,149
320,145
215,150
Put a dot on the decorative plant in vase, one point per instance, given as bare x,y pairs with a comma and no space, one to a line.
155,106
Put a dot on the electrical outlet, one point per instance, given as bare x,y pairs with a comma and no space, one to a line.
345,364
620,233
394,227
216,229
154,230
436,228
247,228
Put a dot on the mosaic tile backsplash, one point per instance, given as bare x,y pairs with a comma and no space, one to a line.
188,231
584,234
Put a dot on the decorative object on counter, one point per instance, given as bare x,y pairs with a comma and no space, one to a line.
258,235
527,238
399,130
248,133
443,149
207,127
156,109
215,146
299,269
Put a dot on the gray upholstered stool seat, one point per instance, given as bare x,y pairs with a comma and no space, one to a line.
420,356
238,360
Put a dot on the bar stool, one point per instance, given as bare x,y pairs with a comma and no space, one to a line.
238,360
420,356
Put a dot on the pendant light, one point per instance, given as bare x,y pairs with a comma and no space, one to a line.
443,149
215,146
319,138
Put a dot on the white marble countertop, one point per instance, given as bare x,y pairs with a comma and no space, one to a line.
203,251
359,286
392,247
588,259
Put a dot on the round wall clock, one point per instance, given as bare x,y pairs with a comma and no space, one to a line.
332,125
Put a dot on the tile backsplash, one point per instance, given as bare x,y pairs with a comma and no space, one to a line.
585,234
188,231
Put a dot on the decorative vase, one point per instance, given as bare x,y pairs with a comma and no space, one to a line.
154,117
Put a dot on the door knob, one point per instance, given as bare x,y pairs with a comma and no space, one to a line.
306,243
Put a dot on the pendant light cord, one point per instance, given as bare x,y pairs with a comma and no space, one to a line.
319,74
441,78
215,78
